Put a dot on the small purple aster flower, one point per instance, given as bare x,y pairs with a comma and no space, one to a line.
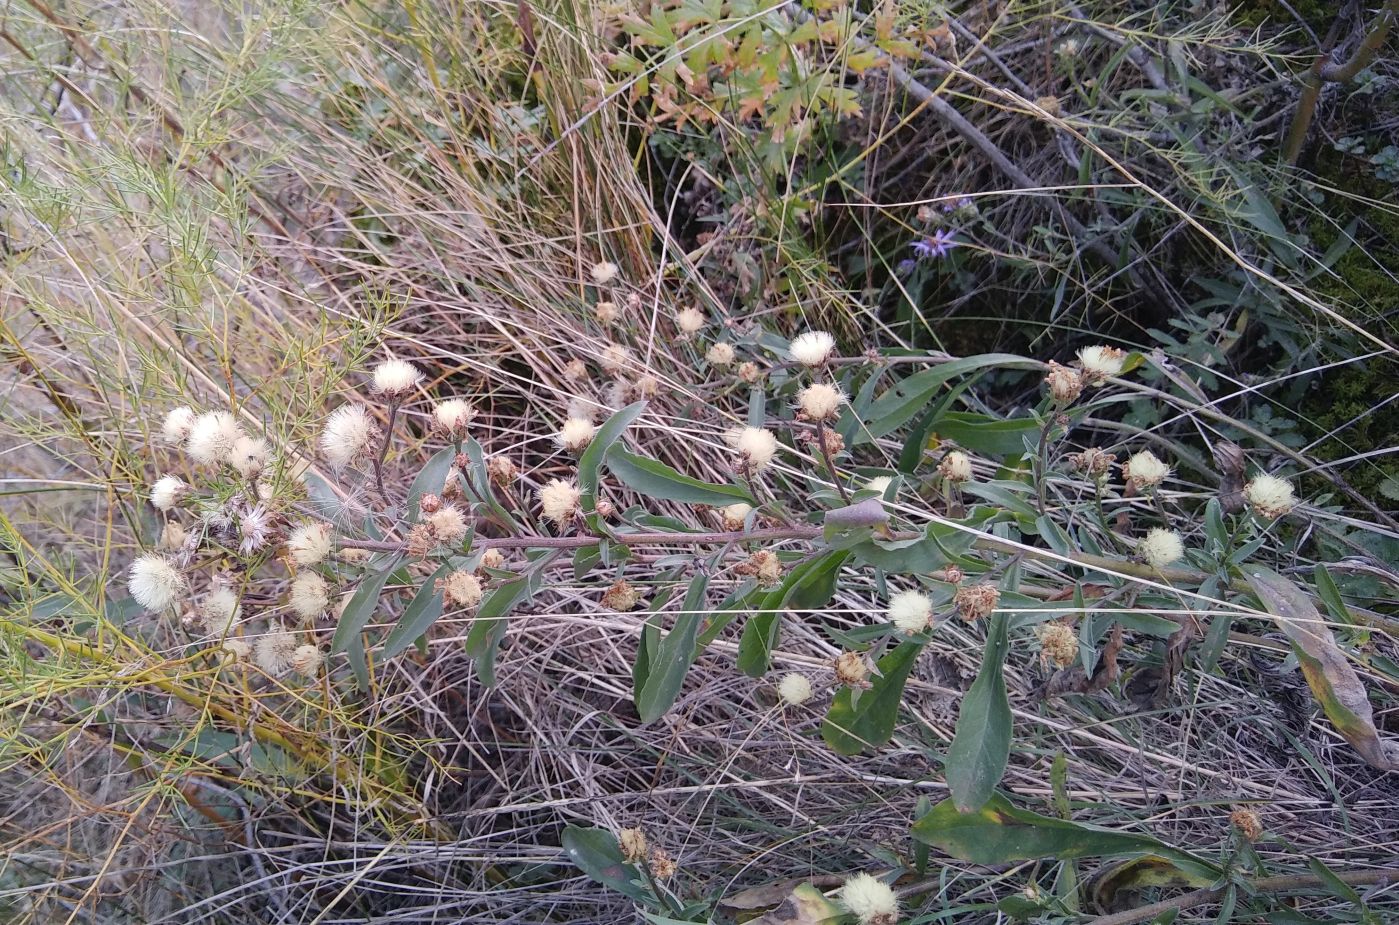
965,204
938,245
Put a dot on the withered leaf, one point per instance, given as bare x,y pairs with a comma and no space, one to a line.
1075,680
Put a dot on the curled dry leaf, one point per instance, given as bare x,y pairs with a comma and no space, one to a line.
1229,457
1334,683
1074,680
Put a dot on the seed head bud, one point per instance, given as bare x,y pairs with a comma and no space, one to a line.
621,597
1058,644
1269,496
606,312
794,689
812,349
447,524
871,901
852,670
820,401
306,660
614,359
1248,823
956,467
1094,462
911,611
975,602
493,559
646,386
604,272
575,435
575,370
953,574
1159,548
502,470
749,372
396,378
177,425
1100,363
605,509
559,501
763,565
167,492
430,503
720,355
1064,384
1143,471
662,867
155,583
734,515
172,537
460,589
452,417
633,845
689,320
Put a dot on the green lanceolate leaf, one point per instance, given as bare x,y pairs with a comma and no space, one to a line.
1333,681
903,401
418,616
999,833
430,480
807,587
596,853
938,545
489,627
608,434
669,660
361,607
852,725
656,479
981,745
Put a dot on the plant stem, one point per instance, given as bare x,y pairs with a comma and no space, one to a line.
384,452
830,463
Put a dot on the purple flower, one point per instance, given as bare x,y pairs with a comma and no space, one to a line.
905,266
938,245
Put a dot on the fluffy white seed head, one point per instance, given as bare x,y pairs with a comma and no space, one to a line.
1269,496
575,434
720,355
1100,363
460,588
212,437
249,456
347,435
911,611
309,543
310,596
219,610
167,492
756,448
812,349
1143,471
956,466
155,583
871,901
396,378
1159,548
453,417
614,359
689,320
734,515
820,401
306,660
273,651
604,272
178,423
237,650
447,524
172,537
606,312
794,689
559,501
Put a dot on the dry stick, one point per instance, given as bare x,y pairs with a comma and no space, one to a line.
1279,884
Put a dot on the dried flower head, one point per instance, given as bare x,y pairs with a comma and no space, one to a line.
689,320
646,386
559,501
606,312
633,845
255,526
749,372
167,492
852,669
871,901
1094,462
604,272
1100,363
621,597
974,602
249,456
155,583
820,401
236,650
1269,496
1143,471
911,611
762,565
309,543
306,660
310,595
348,432
172,537
756,447
447,524
720,355
1159,548
794,688
452,417
614,359
956,466
396,378
493,559
812,349
575,370
219,610
1248,823
429,503
1058,643
273,651
575,434
1064,384
953,574
502,470
460,589
177,425
734,515
662,867
212,436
